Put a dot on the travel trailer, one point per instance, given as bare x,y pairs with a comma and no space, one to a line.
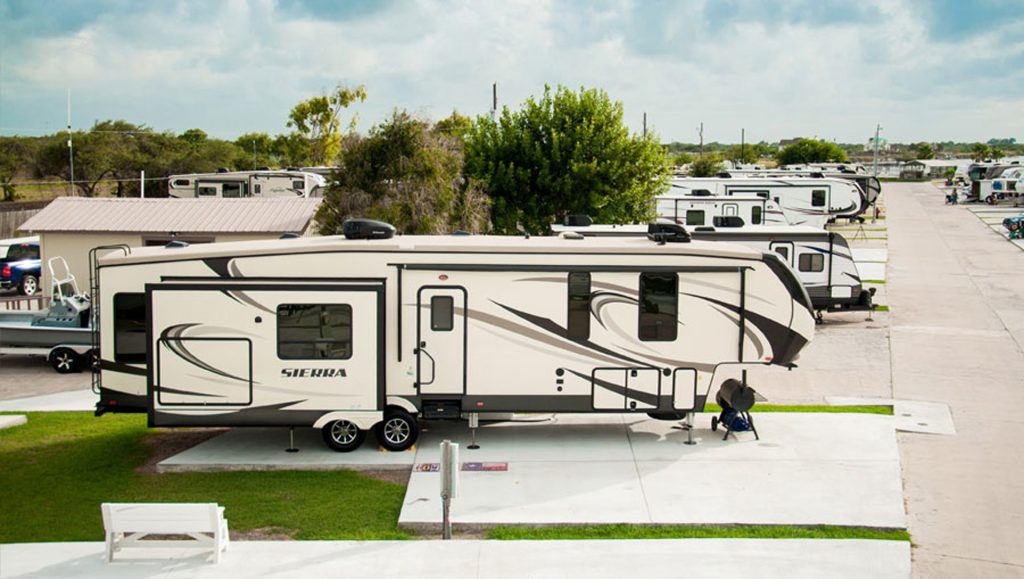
247,184
371,332
821,259
718,210
804,201
1006,184
869,184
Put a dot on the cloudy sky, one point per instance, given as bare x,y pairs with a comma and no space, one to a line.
925,70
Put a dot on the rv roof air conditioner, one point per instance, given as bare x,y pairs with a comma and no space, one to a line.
577,220
367,229
724,175
666,232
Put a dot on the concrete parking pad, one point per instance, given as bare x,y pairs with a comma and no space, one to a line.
909,415
869,254
9,420
785,558
839,469
75,400
264,449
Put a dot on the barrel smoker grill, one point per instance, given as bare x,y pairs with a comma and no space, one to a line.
736,399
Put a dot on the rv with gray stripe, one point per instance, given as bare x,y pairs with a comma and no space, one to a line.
684,208
821,259
804,201
375,332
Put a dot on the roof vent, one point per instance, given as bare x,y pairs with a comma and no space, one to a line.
176,244
724,175
289,235
570,235
367,229
578,220
665,232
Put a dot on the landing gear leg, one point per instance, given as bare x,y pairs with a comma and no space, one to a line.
819,317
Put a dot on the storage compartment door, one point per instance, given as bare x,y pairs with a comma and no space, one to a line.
204,371
609,389
684,388
642,388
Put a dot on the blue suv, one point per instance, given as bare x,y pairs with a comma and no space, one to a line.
20,265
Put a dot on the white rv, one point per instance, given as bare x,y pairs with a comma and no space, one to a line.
804,201
869,184
247,184
821,259
718,210
370,332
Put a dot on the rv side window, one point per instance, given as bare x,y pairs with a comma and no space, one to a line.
231,190
298,185
130,328
578,321
206,191
442,313
182,182
257,189
812,262
755,216
314,331
695,217
659,304
783,251
818,198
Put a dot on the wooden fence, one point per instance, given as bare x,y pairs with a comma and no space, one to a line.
13,214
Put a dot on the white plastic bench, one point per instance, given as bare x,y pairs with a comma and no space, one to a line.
127,523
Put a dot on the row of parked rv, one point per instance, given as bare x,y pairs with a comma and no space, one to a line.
994,182
374,332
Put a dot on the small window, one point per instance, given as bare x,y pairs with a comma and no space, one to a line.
783,251
257,189
727,221
777,202
695,217
756,216
182,182
818,198
130,328
578,321
812,262
314,331
442,313
232,190
659,305
206,191
298,185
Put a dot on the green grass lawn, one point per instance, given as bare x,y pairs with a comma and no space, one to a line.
57,469
694,532
825,408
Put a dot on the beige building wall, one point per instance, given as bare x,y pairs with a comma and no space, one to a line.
74,248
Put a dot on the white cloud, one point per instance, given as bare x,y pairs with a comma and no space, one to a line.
240,66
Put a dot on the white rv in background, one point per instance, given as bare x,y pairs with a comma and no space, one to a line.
371,332
869,184
681,206
821,259
247,184
804,201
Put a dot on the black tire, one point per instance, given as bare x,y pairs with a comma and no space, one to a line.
714,424
65,360
29,285
342,436
399,430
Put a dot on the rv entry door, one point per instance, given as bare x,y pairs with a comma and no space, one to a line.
441,340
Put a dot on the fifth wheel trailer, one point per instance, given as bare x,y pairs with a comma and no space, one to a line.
247,184
717,210
803,200
373,331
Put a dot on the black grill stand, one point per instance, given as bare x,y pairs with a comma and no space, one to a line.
750,420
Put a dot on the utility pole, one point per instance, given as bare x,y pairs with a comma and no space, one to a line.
878,129
701,131
743,146
71,151
494,102
645,125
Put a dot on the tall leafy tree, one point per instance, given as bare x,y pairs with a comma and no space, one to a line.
255,150
810,151
16,155
407,173
318,120
707,166
566,152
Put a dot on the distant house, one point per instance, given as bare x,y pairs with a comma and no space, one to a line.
71,226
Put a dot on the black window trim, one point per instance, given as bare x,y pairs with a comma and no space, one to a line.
584,329
450,318
277,336
675,303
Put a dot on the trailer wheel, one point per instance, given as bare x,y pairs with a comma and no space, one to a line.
65,360
399,430
342,435
29,285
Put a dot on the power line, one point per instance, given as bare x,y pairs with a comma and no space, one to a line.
65,182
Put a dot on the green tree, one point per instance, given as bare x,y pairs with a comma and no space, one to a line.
566,152
292,149
742,154
407,173
680,158
318,120
255,150
16,154
980,152
707,166
811,151
194,137
923,151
